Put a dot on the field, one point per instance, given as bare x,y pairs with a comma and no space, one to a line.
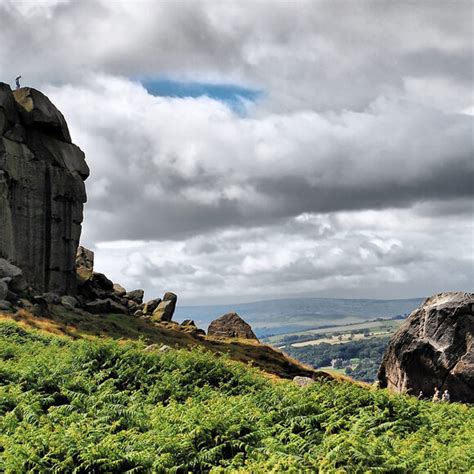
100,405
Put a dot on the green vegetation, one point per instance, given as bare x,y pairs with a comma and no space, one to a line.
367,352
105,406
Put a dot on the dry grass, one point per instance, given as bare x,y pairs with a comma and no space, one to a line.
79,324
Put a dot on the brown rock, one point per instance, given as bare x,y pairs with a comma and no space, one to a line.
231,325
119,290
104,306
150,306
434,348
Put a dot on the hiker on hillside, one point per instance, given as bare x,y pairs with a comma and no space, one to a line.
420,395
446,397
17,81
436,397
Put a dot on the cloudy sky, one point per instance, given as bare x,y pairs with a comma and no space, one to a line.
250,150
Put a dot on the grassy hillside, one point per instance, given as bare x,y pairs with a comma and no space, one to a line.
93,405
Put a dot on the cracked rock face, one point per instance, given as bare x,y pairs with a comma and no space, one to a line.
42,190
434,348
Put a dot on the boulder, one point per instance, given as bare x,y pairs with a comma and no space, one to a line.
37,111
104,306
434,348
188,323
303,381
51,298
135,295
231,325
17,282
84,264
42,191
150,306
119,290
69,302
165,309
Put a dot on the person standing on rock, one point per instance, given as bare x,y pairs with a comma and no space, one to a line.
17,81
420,395
446,397
436,397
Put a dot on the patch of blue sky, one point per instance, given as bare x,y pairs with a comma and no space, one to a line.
234,96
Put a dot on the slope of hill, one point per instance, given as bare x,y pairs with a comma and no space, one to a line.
106,406
289,315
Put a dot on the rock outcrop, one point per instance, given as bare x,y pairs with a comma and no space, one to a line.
42,191
434,348
231,325
165,309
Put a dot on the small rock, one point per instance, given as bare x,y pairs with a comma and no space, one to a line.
119,290
51,298
3,290
135,295
303,381
188,322
69,302
138,313
5,305
40,306
104,306
164,348
7,270
151,348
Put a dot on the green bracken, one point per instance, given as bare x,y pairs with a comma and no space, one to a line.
104,406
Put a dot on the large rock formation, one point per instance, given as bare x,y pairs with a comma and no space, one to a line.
231,325
434,348
42,190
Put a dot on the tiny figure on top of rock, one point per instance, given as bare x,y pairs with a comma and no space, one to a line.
436,397
17,82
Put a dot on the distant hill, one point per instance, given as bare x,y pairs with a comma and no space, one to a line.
293,314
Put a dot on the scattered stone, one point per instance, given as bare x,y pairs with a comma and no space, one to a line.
164,348
119,290
8,270
104,306
40,306
303,381
51,298
3,289
69,302
188,323
138,313
84,264
150,306
5,305
135,295
434,348
151,348
231,325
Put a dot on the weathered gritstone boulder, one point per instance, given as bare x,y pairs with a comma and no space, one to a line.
165,310
231,325
434,348
42,191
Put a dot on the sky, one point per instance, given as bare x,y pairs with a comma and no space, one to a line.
242,151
